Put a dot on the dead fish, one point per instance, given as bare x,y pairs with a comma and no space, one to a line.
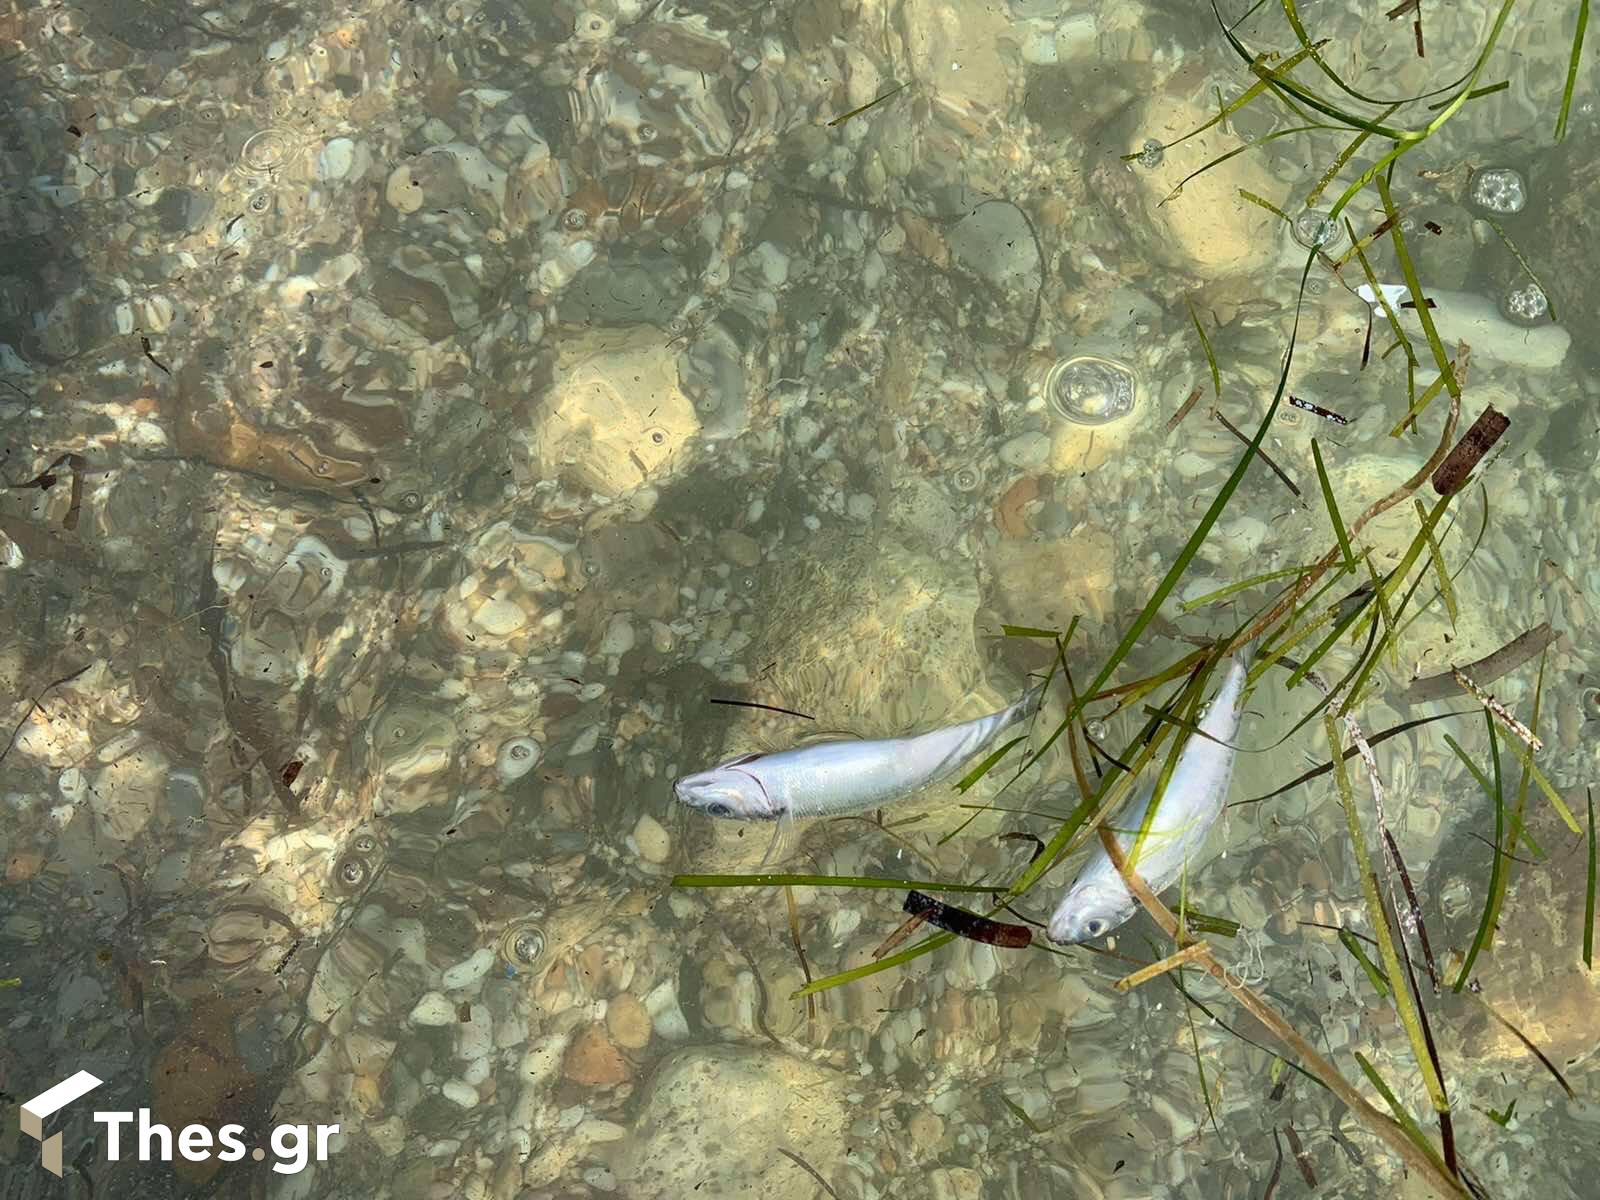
1098,901
840,778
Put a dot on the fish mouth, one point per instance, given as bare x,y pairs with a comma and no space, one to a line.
1061,937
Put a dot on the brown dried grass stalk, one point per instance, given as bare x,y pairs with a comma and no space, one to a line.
1384,1128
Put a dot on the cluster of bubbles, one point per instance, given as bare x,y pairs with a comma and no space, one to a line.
1525,304
1151,154
1500,191
1317,231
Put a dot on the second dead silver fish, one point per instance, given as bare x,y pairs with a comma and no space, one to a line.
840,778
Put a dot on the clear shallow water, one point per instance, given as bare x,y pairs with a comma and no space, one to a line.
461,397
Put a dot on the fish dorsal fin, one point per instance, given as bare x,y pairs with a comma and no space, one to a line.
816,737
744,759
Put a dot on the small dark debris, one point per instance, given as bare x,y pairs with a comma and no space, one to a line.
967,924
1488,429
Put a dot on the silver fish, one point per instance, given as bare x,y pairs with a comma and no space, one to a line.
1098,901
830,779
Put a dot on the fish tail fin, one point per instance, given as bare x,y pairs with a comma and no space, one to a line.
1030,702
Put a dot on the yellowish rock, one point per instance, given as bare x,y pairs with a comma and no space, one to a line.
1045,582
1208,229
956,49
593,1060
628,1022
652,839
616,416
753,1102
403,190
127,792
1075,449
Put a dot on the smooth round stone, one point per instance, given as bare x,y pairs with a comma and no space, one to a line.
619,636
434,1010
468,972
403,192
500,618
1026,450
336,159
994,241
460,1092
739,548
653,840
628,1022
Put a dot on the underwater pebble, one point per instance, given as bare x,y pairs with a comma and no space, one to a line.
403,193
336,159
602,1179
460,1093
1026,450
1190,465
593,1061
471,971
739,548
433,1009
666,1016
955,1183
619,636
1245,535
516,758
1245,907
927,1130
652,839
1464,317
628,1022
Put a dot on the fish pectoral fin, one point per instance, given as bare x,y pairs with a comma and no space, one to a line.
784,837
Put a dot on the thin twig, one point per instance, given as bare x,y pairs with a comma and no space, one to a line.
1262,454
1521,649
809,1170
799,948
1527,736
1188,954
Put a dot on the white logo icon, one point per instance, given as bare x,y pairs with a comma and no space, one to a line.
49,1101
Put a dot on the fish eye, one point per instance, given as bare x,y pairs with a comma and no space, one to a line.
1095,927
719,809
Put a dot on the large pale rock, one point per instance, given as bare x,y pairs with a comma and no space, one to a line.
1475,320
1047,583
871,635
956,49
715,1117
128,791
1207,229
615,416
